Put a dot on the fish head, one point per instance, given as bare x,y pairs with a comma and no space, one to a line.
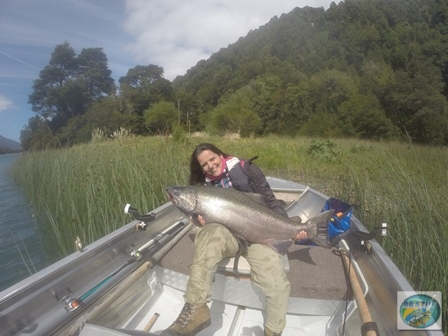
184,198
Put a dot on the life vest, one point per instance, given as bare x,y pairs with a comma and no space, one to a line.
238,175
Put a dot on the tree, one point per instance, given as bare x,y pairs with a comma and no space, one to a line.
311,61
37,135
92,68
321,125
235,114
428,126
143,86
330,88
362,116
416,94
161,116
104,114
69,85
376,77
268,100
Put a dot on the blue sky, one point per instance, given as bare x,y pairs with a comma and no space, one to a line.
174,34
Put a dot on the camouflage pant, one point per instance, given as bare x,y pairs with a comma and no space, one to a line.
213,243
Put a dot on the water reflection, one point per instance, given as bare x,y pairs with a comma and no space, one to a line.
21,252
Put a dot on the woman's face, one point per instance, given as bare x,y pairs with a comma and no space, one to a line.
210,162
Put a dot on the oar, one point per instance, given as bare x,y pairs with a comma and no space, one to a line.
368,328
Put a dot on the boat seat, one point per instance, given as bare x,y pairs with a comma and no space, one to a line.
95,330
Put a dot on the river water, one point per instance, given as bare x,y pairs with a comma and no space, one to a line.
21,252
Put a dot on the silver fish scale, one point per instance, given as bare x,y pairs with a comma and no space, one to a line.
244,216
247,216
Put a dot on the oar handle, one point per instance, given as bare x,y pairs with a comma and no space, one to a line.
369,328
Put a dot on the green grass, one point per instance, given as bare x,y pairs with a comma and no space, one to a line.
81,191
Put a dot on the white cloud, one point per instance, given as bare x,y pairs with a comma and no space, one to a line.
176,34
5,103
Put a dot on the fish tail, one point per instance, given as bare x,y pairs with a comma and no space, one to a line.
317,228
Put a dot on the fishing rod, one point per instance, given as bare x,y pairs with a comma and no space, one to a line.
151,246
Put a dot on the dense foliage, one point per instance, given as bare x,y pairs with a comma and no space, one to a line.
363,68
370,69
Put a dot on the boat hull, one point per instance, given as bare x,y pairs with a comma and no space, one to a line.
132,283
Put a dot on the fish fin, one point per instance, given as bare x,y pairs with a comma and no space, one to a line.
280,246
321,226
242,242
296,219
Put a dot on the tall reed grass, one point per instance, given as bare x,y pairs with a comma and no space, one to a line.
81,191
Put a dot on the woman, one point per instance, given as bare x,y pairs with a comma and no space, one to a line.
211,166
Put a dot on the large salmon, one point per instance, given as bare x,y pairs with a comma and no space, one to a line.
247,217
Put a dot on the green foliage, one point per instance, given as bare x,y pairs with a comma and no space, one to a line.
234,114
323,150
144,86
363,117
179,134
161,117
309,62
429,126
328,89
64,91
358,148
104,115
81,191
370,69
69,84
98,136
323,125
37,135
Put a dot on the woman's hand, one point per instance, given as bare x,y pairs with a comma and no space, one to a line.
198,220
301,235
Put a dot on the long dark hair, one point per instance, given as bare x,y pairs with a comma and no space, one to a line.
197,175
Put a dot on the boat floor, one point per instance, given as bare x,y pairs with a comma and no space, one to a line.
317,281
227,319
318,290
314,272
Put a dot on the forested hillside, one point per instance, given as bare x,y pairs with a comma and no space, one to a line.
366,68
371,69
9,146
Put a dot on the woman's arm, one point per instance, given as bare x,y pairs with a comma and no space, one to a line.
261,186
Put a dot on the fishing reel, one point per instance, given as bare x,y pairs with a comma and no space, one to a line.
144,219
70,303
